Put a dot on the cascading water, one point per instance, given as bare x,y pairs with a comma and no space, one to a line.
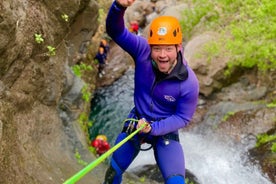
217,161
212,159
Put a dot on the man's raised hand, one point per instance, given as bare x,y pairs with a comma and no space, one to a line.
125,3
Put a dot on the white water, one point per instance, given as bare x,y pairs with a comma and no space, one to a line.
217,162
212,161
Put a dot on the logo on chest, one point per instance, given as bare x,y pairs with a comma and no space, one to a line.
169,98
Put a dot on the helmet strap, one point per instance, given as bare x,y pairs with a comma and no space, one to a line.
154,63
171,67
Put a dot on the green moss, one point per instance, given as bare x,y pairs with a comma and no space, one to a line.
79,159
273,148
271,105
79,69
226,116
265,138
187,181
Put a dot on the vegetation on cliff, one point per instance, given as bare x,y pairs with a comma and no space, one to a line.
248,30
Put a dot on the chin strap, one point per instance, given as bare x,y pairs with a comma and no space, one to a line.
154,63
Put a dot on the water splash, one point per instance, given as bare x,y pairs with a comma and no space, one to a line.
215,161
212,161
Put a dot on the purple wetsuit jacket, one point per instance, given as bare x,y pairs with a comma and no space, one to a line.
169,103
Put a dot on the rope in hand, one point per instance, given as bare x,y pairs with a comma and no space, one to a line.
96,162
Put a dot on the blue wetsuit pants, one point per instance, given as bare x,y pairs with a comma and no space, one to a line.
168,154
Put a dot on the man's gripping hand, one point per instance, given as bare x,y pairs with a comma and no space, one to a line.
147,127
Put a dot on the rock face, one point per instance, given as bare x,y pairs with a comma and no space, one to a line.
40,98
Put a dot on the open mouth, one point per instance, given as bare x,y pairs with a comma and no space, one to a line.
163,65
163,61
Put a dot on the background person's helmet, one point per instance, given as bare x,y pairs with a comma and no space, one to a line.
101,137
103,41
165,30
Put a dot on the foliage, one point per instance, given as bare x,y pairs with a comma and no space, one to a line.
187,181
80,68
213,50
38,38
193,16
226,116
85,93
271,105
51,50
248,28
84,121
90,124
65,17
79,159
92,150
273,147
142,179
101,15
253,34
265,138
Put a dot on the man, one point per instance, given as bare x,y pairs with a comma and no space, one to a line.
101,58
100,144
104,45
134,27
165,95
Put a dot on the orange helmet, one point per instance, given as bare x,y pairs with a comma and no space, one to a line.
165,30
104,42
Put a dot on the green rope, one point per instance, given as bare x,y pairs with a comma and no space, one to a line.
93,164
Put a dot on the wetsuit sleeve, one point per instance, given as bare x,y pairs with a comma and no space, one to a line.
115,28
114,22
186,107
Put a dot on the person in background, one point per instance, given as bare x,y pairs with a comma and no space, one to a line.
101,58
165,95
105,45
100,144
134,27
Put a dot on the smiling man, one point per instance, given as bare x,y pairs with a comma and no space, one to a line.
165,94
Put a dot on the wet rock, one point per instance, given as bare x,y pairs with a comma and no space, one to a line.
264,156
